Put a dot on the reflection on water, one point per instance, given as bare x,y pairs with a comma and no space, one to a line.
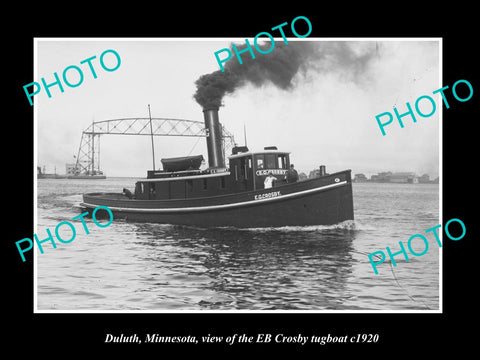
254,269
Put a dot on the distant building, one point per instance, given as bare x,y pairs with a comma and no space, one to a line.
424,179
320,171
360,178
313,174
404,178
398,177
381,177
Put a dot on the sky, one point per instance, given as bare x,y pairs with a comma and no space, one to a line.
326,118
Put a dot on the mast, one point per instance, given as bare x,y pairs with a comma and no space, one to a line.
151,137
245,134
98,159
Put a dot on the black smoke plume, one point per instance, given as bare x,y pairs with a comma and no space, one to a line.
280,66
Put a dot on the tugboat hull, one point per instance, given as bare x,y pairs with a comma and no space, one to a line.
324,200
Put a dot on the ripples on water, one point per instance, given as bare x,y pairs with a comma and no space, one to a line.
145,266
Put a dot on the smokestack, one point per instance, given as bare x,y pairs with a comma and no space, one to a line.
214,138
323,170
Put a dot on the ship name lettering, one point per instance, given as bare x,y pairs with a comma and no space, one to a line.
271,171
267,195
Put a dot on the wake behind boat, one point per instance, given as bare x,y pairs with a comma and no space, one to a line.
256,190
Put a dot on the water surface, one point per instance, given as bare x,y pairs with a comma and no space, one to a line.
146,266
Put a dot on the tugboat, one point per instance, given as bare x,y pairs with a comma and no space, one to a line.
237,196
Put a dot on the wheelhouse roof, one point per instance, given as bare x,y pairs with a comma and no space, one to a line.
250,153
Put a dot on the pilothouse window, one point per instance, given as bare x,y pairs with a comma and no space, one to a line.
260,162
270,160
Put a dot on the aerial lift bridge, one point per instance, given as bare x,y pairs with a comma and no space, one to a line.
88,157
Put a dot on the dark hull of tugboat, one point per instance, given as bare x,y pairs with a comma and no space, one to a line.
324,200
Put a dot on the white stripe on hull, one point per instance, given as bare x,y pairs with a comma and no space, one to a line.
221,206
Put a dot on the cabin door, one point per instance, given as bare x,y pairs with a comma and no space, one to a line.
244,173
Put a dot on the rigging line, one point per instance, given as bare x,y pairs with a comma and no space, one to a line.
151,136
405,290
396,280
